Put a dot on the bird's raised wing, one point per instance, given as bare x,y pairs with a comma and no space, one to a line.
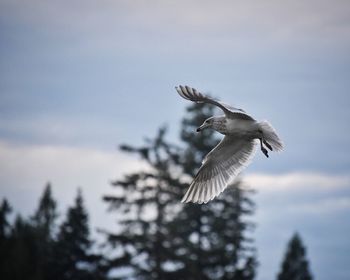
219,168
193,95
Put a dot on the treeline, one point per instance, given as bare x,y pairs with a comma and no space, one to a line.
36,248
157,237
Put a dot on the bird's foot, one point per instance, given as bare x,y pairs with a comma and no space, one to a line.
265,152
267,145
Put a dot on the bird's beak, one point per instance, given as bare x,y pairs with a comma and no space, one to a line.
203,126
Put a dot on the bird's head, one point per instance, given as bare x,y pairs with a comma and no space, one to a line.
207,123
217,123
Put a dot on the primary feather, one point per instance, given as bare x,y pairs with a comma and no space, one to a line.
220,166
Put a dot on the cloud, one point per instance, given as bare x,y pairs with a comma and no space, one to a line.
49,129
231,25
45,162
296,181
323,206
25,169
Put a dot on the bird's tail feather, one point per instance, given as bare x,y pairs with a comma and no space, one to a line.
271,136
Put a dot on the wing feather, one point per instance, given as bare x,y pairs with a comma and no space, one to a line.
220,167
192,94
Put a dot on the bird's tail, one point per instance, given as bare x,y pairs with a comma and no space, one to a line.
271,136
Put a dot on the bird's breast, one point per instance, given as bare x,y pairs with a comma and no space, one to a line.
241,127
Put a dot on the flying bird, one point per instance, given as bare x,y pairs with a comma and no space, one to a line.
235,151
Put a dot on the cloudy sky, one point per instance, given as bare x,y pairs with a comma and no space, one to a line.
78,78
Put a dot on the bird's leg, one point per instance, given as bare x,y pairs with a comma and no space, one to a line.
263,148
267,145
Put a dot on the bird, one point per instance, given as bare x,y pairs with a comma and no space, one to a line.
226,160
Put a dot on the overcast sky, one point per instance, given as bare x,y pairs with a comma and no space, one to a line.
78,78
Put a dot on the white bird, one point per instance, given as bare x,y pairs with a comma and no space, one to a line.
223,163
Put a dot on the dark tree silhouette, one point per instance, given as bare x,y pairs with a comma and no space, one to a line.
295,265
73,259
45,216
33,249
146,201
5,227
5,238
44,225
28,250
30,243
24,259
160,238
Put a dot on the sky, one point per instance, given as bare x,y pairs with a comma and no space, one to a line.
79,78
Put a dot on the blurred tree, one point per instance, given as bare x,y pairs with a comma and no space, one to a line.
160,238
5,239
34,250
45,216
30,243
73,259
295,266
146,201
23,260
44,224
5,227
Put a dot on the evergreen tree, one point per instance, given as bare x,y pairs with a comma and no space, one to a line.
24,260
5,227
28,243
44,225
146,202
160,238
46,214
295,266
72,257
5,239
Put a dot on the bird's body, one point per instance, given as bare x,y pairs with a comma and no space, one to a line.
238,127
222,164
241,128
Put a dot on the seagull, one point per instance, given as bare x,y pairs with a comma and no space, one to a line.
235,151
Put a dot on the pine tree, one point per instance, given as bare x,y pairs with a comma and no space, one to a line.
30,242
160,238
32,249
44,225
295,265
146,203
5,239
73,259
5,227
46,214
24,260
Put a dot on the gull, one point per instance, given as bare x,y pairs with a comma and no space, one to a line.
235,151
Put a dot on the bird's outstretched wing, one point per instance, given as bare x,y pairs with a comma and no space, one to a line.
193,95
219,168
